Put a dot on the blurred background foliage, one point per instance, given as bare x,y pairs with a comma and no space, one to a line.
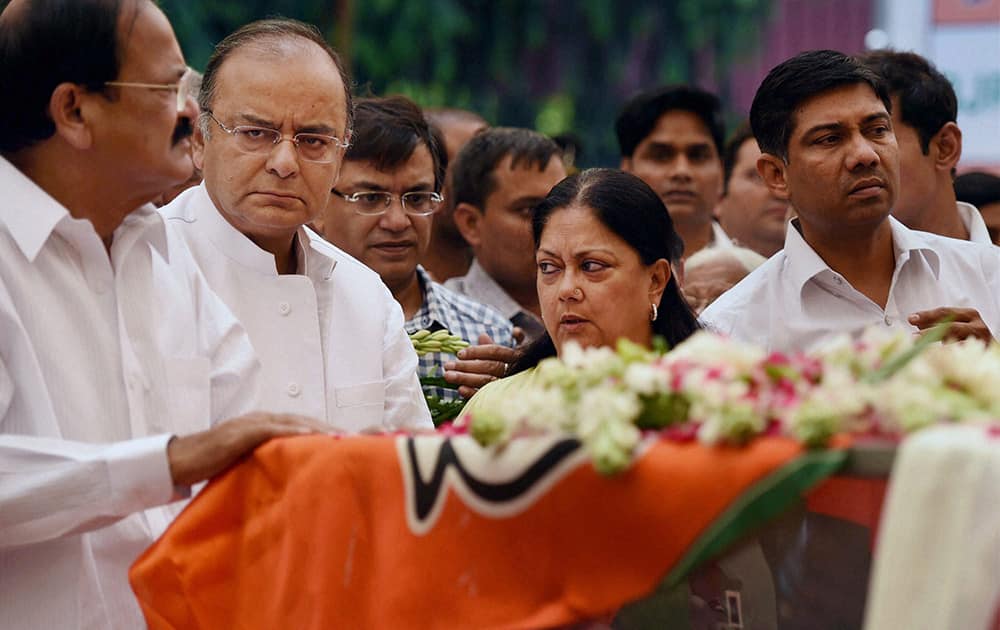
554,65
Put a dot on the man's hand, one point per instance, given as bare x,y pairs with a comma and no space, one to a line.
478,365
203,455
965,322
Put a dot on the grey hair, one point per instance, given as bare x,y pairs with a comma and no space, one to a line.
267,35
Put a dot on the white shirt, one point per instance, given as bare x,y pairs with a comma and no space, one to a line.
101,360
972,219
331,341
720,240
794,300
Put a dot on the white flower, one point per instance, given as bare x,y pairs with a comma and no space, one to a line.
646,379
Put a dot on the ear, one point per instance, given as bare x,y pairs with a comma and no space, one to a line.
659,276
468,220
771,169
71,111
947,143
198,146
626,164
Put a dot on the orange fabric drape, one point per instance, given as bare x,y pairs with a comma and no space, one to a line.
318,532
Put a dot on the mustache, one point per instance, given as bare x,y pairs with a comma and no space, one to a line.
184,129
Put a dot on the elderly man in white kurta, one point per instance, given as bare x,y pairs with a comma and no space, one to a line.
116,359
273,128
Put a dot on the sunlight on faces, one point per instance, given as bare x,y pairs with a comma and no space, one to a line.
749,213
135,128
843,162
678,160
505,247
592,286
390,243
296,90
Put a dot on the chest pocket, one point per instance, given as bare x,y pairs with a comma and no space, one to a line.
189,394
359,407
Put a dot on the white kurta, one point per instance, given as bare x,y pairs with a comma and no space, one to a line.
331,340
794,300
101,360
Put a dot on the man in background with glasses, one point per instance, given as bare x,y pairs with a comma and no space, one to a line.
381,212
116,359
275,121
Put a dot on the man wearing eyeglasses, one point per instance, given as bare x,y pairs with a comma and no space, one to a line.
275,121
116,359
381,213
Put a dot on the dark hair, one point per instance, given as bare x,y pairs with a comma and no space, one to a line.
472,177
260,34
732,151
978,188
48,42
926,99
638,118
627,206
387,131
790,83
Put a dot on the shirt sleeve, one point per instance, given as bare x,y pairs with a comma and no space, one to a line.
51,488
405,406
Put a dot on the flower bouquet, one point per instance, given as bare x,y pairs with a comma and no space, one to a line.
716,390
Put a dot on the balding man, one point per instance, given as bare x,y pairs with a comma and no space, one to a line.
115,356
275,122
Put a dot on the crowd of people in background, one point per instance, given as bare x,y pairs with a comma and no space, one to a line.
304,234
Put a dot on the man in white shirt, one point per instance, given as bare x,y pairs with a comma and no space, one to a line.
924,115
823,124
275,121
671,137
111,342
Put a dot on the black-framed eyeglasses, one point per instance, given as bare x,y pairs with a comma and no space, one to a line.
185,86
369,203
311,147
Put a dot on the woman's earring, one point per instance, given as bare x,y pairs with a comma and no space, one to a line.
653,312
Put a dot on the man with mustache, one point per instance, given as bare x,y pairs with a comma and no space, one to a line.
824,124
671,138
276,119
116,359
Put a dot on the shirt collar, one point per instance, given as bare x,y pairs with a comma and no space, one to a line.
483,288
973,221
802,263
29,213
720,239
148,223
32,215
433,307
310,259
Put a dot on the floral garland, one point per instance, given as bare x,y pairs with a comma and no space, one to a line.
716,390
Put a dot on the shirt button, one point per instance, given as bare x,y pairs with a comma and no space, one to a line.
293,390
284,308
888,321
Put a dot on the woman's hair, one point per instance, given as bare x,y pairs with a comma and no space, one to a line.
627,206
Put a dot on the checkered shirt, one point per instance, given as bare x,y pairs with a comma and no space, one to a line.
445,309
